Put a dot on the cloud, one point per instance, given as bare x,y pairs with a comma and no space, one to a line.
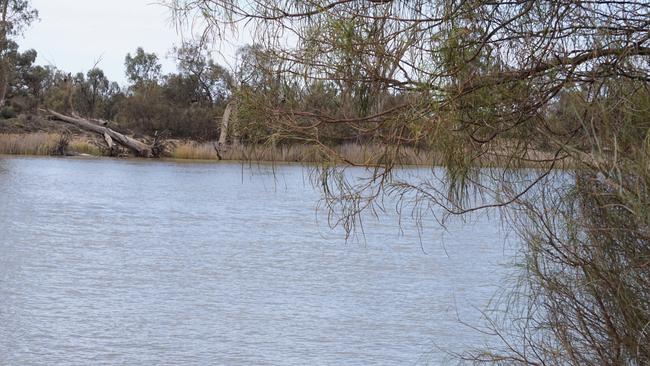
73,34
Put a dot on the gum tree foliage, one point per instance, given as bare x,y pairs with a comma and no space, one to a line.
214,83
15,16
142,67
182,105
95,95
23,80
491,88
259,89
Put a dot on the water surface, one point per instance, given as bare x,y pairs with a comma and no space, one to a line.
125,262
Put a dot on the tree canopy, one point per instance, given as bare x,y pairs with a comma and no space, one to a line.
15,15
492,87
142,67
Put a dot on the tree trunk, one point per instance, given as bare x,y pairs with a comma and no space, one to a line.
225,122
140,148
4,86
4,78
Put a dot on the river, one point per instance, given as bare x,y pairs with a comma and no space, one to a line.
128,262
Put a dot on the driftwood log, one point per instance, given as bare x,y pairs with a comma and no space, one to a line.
109,135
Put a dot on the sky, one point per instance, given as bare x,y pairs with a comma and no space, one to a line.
73,35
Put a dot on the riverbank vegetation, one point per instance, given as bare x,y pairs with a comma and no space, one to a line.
465,79
54,144
367,155
271,112
43,143
547,83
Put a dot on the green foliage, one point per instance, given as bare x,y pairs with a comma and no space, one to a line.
19,15
142,67
93,93
23,79
8,112
154,108
253,119
508,85
213,83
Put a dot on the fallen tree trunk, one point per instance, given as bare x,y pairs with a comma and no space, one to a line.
113,149
140,148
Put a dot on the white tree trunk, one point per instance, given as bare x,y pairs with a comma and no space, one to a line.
225,123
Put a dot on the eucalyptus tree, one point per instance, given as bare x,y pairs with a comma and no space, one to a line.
95,94
142,68
26,87
492,87
214,82
15,16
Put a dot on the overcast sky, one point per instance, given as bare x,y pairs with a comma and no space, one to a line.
73,34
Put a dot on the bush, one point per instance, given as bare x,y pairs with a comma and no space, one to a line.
7,112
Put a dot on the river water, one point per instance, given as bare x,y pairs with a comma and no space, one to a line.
126,262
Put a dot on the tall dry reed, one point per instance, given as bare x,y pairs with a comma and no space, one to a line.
42,143
28,144
355,153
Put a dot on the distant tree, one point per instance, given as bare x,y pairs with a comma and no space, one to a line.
259,70
184,90
15,16
184,104
55,89
93,92
142,68
214,82
23,79
112,102
27,81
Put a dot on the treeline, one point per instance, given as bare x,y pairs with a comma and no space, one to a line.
186,103
278,99
190,102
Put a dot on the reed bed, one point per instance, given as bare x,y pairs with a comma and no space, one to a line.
194,151
280,153
42,143
367,155
207,151
354,153
29,144
372,154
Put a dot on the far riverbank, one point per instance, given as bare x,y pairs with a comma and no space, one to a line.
60,144
57,144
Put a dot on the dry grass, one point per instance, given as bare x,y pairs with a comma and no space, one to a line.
194,151
42,143
206,151
28,144
46,144
374,154
368,155
282,153
355,153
